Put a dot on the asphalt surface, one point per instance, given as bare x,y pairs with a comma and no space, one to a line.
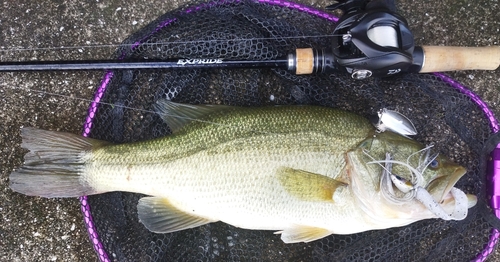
36,229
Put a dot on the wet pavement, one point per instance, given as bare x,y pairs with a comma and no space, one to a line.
36,229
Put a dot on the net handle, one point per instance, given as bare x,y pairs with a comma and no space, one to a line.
453,58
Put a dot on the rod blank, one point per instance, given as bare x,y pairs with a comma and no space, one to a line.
303,61
144,64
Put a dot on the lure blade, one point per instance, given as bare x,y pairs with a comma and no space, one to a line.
395,122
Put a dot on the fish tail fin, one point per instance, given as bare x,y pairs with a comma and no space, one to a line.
54,165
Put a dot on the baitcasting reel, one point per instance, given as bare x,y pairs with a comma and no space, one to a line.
372,40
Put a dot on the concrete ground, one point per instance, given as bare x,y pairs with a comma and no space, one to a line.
35,229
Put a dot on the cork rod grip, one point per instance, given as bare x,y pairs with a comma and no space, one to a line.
305,61
451,58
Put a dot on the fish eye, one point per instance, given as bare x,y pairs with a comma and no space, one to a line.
434,164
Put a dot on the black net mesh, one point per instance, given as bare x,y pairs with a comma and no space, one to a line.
265,30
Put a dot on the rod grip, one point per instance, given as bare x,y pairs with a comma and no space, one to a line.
304,61
452,58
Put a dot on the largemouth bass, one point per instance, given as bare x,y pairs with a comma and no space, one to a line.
303,171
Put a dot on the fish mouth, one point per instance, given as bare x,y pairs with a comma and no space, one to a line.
453,202
440,187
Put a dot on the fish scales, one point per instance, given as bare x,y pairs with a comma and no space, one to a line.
273,129
231,165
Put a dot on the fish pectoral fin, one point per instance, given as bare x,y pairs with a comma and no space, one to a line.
305,234
177,115
159,216
308,186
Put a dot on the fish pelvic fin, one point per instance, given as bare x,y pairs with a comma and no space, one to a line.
305,234
54,164
160,216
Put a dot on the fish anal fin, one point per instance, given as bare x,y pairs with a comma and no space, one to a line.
305,234
178,115
308,186
159,216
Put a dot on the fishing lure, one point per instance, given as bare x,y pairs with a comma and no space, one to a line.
415,190
395,122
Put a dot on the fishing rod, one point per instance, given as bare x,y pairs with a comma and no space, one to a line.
370,39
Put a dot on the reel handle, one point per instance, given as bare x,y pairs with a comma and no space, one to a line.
452,58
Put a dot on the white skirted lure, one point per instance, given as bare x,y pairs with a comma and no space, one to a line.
395,122
424,197
415,190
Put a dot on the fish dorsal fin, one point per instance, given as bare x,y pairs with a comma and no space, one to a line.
308,186
305,234
177,115
159,216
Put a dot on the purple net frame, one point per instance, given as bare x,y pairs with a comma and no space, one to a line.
93,108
